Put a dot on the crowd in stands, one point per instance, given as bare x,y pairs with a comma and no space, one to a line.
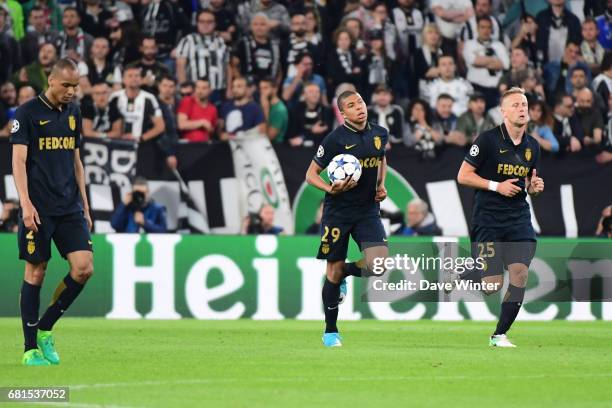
431,71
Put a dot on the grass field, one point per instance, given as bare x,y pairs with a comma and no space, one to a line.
245,363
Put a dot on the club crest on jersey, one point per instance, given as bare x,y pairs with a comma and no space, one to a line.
377,142
72,122
528,154
325,249
31,247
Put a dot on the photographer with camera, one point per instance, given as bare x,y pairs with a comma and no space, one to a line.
9,217
137,213
261,222
604,226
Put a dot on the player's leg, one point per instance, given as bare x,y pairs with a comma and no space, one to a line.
73,241
35,249
518,256
29,304
370,235
333,248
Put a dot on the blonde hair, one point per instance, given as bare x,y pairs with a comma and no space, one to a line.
432,27
512,91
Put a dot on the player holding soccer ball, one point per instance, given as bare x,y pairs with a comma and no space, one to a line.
502,166
350,207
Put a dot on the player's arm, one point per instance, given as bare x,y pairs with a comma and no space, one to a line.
79,173
313,177
381,191
468,177
31,220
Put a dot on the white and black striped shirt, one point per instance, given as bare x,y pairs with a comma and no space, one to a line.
138,113
207,57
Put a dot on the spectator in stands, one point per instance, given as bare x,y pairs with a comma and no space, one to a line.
8,98
591,50
315,227
384,25
482,9
100,119
540,126
99,68
277,14
51,11
526,40
204,54
186,89
168,141
475,121
36,73
448,83
9,218
450,15
408,20
274,110
164,21
15,20
578,80
138,213
384,113
378,66
420,131
364,12
343,63
602,84
313,26
256,56
606,154
261,222
25,93
426,58
589,118
419,221
196,116
519,62
355,27
534,90
38,33
226,24
297,44
123,47
94,18
604,23
142,118
73,42
240,113
486,59
566,126
556,27
293,86
9,50
310,119
150,68
445,121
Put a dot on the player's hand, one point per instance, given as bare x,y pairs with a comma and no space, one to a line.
139,218
340,186
536,185
381,194
507,188
31,220
88,219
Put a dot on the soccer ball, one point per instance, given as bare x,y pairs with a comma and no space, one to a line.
343,166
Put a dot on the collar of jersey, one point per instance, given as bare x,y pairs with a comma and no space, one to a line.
48,103
352,129
508,140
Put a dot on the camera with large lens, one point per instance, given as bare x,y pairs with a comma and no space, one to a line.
426,145
138,201
255,224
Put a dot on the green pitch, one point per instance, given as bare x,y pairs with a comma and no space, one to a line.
245,363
